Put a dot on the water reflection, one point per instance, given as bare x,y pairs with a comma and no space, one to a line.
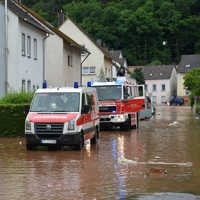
122,165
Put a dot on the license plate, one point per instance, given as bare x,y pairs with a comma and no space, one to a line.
48,141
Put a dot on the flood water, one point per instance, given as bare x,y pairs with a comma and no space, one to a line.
160,161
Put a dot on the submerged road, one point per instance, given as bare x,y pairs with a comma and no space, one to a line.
159,161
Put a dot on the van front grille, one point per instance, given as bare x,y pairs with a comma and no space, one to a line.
107,109
49,128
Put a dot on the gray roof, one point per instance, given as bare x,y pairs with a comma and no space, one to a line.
158,72
188,62
26,16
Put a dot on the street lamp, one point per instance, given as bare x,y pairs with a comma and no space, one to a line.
164,43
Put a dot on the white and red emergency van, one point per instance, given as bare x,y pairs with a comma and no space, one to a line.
61,117
119,103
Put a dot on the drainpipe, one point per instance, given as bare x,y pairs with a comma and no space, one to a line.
88,53
6,46
44,55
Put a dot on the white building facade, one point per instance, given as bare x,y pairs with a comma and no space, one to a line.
98,61
161,83
23,68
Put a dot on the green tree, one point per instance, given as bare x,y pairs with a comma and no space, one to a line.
138,75
192,82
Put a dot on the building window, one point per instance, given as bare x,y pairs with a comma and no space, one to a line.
154,87
29,46
23,85
35,48
89,70
34,88
163,100
154,99
163,87
23,45
92,70
146,88
70,61
85,70
28,85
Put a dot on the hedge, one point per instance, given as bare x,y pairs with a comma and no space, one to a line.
12,119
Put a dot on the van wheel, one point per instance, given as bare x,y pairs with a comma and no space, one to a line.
81,144
94,140
137,121
126,125
29,147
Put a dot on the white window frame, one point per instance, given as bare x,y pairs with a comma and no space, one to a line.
162,87
23,85
154,89
85,70
92,70
29,86
35,48
29,46
23,44
69,60
89,70
163,99
154,99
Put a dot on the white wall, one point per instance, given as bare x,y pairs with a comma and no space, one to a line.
158,93
180,84
173,83
72,73
57,72
96,57
2,51
21,67
54,61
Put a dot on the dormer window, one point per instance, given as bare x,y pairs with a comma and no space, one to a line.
161,74
150,74
187,66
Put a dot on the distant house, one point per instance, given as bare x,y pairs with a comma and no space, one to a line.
100,60
187,63
161,82
22,38
118,61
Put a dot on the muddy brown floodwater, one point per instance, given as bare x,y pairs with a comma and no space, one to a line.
160,161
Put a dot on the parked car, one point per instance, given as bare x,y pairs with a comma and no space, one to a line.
174,100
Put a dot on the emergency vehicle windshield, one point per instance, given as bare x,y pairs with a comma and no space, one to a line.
56,102
109,93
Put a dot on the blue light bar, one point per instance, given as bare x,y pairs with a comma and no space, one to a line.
89,83
75,84
119,82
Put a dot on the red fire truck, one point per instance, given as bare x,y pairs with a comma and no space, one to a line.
119,103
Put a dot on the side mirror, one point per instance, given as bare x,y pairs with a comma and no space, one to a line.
85,109
26,109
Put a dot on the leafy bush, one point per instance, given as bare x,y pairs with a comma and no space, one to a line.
12,120
17,98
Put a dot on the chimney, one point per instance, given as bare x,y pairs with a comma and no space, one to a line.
61,17
99,42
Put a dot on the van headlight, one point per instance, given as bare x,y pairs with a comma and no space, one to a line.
71,125
27,125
